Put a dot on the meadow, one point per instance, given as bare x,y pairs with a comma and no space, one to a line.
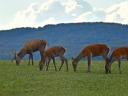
25,80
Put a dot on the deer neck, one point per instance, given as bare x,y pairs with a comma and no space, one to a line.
22,53
111,59
79,57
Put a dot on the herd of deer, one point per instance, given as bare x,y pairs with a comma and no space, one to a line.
59,51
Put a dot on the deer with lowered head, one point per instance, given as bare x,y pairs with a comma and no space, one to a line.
117,55
50,54
92,51
29,48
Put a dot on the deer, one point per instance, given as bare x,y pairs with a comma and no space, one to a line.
51,54
29,48
92,51
117,55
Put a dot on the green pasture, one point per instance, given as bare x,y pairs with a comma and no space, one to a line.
27,80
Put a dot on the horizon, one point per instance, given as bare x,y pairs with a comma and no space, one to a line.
65,24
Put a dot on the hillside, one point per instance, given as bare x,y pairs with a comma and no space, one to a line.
74,36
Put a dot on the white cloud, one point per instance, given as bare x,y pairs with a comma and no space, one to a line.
70,6
88,16
91,16
50,11
65,11
51,20
28,17
118,13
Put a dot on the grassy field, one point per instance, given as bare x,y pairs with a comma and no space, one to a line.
27,80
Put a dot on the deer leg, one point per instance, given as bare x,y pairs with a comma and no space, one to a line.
41,64
119,62
47,64
62,62
66,61
54,63
111,62
106,68
41,53
32,59
89,63
63,59
29,59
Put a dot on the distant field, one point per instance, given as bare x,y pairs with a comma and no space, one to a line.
27,80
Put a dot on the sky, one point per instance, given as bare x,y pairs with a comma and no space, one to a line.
36,13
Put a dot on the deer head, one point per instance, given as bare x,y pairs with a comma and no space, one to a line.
108,66
17,58
74,64
41,64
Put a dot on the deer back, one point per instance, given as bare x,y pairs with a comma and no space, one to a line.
120,52
55,51
95,50
35,45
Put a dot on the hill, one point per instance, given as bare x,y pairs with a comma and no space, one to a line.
74,36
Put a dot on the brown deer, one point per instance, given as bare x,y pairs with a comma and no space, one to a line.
117,55
51,53
29,48
92,51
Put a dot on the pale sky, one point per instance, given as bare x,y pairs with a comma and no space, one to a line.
34,13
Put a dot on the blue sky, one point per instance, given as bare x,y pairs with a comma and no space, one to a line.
34,13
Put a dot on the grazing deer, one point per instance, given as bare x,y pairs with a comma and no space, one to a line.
51,53
92,51
29,48
117,55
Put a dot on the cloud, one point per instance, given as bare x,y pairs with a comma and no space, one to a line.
24,18
77,7
70,6
65,11
117,13
88,16
91,16
48,12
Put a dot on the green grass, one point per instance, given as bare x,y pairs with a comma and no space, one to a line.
27,80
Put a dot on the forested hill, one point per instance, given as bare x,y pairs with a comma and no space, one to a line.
73,36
